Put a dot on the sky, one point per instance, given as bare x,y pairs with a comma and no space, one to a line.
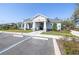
17,12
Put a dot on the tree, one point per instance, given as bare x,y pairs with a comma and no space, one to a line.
68,24
11,26
76,14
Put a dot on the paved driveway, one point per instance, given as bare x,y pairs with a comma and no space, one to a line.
10,45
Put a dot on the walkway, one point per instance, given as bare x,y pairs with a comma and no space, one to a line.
35,33
76,33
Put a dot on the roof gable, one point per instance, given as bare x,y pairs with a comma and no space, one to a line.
39,18
37,15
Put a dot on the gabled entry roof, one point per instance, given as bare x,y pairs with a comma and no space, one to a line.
37,15
39,18
29,20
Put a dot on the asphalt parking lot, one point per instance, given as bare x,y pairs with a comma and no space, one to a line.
26,45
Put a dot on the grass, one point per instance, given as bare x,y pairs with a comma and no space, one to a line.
61,33
24,31
69,47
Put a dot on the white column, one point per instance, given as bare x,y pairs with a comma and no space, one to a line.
24,26
33,28
27,26
21,26
44,28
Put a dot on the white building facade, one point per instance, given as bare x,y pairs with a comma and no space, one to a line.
40,22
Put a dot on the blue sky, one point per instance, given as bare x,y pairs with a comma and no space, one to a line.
18,12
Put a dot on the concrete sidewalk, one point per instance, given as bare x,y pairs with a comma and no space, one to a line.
76,33
36,33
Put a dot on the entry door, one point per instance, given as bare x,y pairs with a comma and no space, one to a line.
41,26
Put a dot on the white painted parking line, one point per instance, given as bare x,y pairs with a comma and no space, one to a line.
56,48
17,35
14,45
40,38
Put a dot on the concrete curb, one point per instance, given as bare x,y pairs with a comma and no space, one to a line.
34,34
56,48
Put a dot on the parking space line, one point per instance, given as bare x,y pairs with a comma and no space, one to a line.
14,45
40,38
56,48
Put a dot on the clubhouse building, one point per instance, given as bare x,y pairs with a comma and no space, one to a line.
40,22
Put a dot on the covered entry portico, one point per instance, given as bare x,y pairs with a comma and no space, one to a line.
39,23
39,26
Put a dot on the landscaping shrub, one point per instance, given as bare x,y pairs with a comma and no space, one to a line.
54,27
8,27
71,47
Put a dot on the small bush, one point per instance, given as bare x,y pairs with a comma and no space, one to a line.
71,47
54,27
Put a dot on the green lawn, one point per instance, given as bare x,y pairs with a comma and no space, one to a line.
24,31
61,33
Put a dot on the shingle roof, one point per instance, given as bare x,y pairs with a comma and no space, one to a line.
55,20
27,20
